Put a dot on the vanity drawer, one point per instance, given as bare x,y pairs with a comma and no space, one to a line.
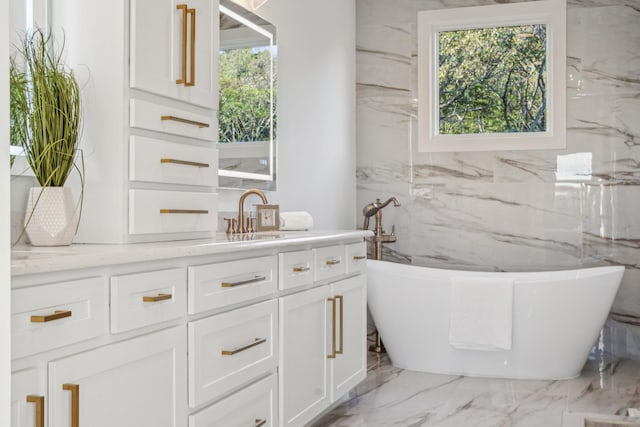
143,299
218,285
171,120
230,349
153,160
152,211
50,316
356,257
248,407
295,269
329,262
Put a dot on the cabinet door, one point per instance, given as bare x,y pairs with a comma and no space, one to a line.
350,364
135,383
158,42
27,399
303,382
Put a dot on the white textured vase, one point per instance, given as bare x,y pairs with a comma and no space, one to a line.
51,217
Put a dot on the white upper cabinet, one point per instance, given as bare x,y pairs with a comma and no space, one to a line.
172,43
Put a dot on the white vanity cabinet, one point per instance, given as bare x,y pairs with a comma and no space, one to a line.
197,333
349,366
139,382
304,387
28,398
134,383
323,341
149,93
172,42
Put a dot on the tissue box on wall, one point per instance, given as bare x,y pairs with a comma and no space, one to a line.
291,221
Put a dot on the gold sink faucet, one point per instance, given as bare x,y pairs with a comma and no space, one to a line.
242,227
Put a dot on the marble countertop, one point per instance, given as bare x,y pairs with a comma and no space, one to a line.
34,260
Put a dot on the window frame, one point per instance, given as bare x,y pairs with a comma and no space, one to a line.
551,13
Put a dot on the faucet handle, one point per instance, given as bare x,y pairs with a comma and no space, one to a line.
231,225
249,221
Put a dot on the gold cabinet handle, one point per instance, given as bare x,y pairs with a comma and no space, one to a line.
359,257
260,423
333,329
192,72
58,314
187,121
39,409
256,342
341,299
183,63
333,262
184,211
243,282
185,162
301,269
159,297
75,403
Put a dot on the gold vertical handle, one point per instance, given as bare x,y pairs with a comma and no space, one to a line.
183,62
39,409
75,403
260,423
341,299
192,72
333,328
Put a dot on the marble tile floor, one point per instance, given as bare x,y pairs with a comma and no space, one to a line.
389,396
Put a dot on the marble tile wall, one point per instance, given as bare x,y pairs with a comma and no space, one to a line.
518,210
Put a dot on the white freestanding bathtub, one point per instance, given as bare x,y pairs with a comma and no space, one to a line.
556,319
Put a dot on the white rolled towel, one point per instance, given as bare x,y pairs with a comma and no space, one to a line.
296,221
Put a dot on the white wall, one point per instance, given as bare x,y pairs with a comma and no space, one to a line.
316,110
5,338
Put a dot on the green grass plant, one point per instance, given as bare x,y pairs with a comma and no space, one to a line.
45,109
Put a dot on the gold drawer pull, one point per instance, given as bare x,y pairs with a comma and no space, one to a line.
58,314
256,342
184,211
183,62
159,297
187,121
341,299
333,262
260,423
185,162
359,257
75,403
39,410
243,282
192,62
301,269
333,329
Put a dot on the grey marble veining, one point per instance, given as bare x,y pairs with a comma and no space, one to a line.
394,397
509,210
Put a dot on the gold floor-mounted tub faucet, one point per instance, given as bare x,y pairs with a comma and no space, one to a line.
375,209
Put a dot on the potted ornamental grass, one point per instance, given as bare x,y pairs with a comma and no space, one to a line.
45,115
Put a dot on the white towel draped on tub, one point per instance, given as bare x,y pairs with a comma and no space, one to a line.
480,316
